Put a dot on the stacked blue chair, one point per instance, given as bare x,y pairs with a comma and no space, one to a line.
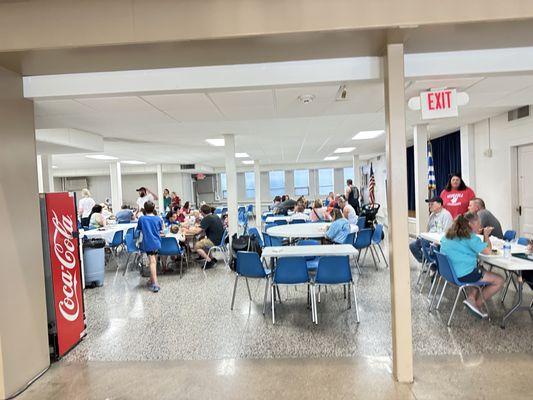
249,266
171,247
333,270
446,271
289,271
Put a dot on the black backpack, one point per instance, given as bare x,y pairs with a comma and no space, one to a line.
243,243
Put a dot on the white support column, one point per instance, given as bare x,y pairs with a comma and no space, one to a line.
402,341
420,135
115,175
231,183
468,170
45,173
356,171
257,181
160,200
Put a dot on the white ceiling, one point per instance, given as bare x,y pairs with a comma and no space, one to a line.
271,125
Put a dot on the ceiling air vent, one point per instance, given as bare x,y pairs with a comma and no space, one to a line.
187,166
517,113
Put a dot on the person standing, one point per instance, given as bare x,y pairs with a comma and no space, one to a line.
167,200
151,228
85,206
145,196
456,196
477,206
352,196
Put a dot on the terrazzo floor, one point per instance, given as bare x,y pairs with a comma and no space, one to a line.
190,319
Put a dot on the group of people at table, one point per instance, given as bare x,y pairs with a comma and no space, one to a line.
151,227
466,226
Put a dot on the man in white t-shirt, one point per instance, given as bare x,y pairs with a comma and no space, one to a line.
144,196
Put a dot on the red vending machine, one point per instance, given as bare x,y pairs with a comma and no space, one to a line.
62,272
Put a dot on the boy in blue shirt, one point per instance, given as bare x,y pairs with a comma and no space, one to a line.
151,227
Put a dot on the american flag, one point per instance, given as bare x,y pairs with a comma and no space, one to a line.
371,185
432,185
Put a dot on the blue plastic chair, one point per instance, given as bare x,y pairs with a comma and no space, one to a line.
333,270
363,240
249,265
116,243
280,222
312,262
447,272
254,231
222,248
272,240
429,262
268,225
523,241
361,222
264,216
298,221
131,248
171,247
377,238
289,271
250,210
218,211
509,235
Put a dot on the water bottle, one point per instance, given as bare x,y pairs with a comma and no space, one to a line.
507,249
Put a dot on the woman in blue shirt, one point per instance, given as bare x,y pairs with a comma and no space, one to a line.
339,229
462,246
151,227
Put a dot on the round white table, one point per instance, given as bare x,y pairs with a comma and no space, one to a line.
308,230
108,232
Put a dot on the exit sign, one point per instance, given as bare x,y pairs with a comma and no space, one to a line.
439,104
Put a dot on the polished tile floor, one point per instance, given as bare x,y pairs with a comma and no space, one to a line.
190,319
489,377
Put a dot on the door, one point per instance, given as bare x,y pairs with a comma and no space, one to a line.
525,190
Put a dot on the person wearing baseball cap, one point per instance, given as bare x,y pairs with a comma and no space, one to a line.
439,221
144,196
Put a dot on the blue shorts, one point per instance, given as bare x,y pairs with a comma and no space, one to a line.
472,277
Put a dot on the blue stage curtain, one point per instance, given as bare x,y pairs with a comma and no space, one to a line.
446,160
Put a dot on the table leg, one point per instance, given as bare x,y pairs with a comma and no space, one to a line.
517,305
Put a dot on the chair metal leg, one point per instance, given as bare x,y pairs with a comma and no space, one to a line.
349,296
234,291
364,256
434,294
383,254
433,284
483,300
355,302
441,294
373,258
358,267
279,294
314,304
454,306
319,293
181,266
272,302
344,290
422,270
373,246
265,296
248,287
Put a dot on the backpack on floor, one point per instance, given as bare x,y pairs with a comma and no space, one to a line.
243,243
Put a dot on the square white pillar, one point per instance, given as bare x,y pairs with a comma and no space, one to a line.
115,175
257,181
160,199
420,135
45,173
402,340
231,183
356,171
468,167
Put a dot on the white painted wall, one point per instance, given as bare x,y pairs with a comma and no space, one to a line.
495,175
380,189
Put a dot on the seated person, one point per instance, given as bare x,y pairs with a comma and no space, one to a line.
125,215
462,245
96,219
319,213
185,210
299,213
212,226
439,221
348,211
339,230
329,199
275,203
333,203
486,218
170,219
285,206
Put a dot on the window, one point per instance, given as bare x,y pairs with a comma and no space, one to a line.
348,174
301,182
277,183
325,181
249,183
223,186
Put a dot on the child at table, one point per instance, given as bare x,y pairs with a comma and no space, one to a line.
462,246
150,226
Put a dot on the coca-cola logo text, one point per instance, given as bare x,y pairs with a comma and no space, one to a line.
64,250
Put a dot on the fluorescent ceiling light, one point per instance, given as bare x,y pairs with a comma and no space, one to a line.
54,166
344,150
368,135
242,155
133,162
101,157
331,158
215,142
248,162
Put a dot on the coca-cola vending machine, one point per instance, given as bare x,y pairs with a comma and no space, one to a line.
62,272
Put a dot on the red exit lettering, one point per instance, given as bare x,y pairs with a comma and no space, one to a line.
439,100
